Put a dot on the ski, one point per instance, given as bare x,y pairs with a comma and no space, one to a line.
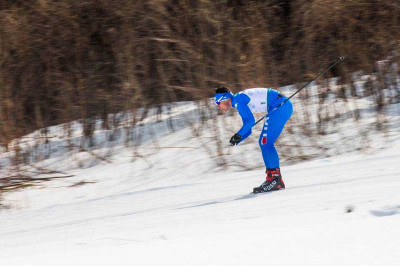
263,192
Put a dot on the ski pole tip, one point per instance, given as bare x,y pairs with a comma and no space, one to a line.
341,58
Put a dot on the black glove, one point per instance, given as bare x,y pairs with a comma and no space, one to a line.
235,139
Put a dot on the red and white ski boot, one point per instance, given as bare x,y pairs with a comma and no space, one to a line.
274,181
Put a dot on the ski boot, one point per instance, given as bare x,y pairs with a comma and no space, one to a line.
274,181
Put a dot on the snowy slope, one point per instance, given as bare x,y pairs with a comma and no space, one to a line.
169,204
182,211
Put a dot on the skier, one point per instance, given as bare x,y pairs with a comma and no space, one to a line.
252,101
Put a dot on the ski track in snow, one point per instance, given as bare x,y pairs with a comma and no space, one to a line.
223,220
341,210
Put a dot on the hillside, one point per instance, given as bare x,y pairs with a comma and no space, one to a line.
175,207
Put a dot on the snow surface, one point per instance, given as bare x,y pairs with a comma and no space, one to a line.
175,207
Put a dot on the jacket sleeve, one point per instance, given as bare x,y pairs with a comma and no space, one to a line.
247,116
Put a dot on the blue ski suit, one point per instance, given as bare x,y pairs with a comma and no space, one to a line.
265,100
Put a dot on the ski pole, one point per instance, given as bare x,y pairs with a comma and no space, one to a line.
320,74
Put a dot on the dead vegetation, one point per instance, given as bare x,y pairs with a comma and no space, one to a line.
102,60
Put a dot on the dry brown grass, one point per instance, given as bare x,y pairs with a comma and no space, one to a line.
62,61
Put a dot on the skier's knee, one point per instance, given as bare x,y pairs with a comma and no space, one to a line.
265,143
262,141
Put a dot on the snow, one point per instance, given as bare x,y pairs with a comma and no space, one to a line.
175,207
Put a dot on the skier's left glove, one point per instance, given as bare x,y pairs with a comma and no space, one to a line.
235,139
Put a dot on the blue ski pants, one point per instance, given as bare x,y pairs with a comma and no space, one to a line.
274,122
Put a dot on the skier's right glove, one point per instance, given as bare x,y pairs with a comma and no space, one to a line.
235,139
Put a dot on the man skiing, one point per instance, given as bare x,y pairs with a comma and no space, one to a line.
252,101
